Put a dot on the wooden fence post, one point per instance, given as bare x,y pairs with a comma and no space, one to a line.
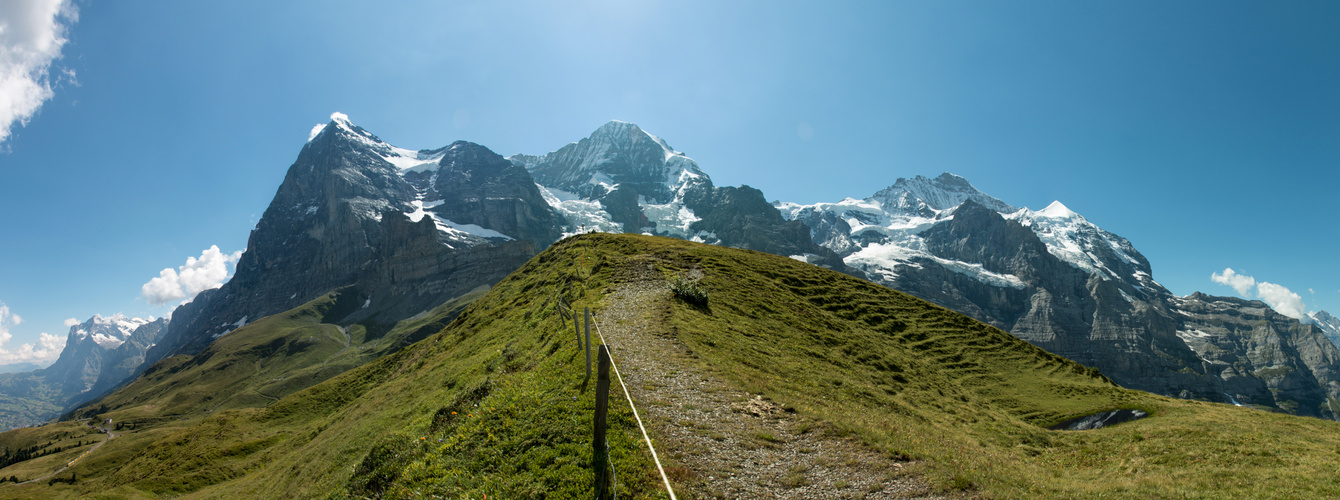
577,328
588,343
602,407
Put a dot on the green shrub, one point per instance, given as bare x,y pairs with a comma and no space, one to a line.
688,290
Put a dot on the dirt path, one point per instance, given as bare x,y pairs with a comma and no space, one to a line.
726,443
108,437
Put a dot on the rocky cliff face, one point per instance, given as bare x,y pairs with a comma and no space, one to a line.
355,210
94,344
1062,283
1125,329
475,186
1261,357
122,362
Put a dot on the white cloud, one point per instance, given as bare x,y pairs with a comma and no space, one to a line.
47,349
1281,299
32,33
1278,297
1243,284
315,131
71,322
197,275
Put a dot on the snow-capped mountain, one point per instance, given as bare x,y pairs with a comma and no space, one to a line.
98,343
1329,325
98,354
411,228
624,179
620,179
1057,280
108,333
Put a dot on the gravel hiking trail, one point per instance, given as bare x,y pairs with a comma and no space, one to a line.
719,441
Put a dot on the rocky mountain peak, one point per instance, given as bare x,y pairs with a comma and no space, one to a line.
925,197
475,156
617,155
1057,210
1329,325
107,332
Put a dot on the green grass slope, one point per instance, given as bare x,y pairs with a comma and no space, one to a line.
251,367
263,361
494,404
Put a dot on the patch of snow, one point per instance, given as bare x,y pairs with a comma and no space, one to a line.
472,229
107,341
241,322
403,159
1188,335
446,226
366,303
603,180
883,259
1056,210
1126,296
1071,238
579,211
672,219
705,237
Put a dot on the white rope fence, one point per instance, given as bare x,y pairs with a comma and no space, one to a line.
643,428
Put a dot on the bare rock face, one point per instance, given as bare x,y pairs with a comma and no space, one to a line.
1060,282
1125,331
410,229
742,218
122,362
477,186
1262,357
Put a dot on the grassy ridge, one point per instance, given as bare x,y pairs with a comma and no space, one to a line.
191,421
904,376
918,380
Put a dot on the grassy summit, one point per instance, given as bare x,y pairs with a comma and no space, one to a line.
494,403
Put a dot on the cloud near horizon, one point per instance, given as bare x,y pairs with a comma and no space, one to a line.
209,271
1278,297
46,350
32,34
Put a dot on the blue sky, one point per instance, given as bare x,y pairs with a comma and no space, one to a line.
1207,133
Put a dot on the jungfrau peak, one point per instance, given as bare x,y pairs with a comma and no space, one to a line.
924,196
1061,282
